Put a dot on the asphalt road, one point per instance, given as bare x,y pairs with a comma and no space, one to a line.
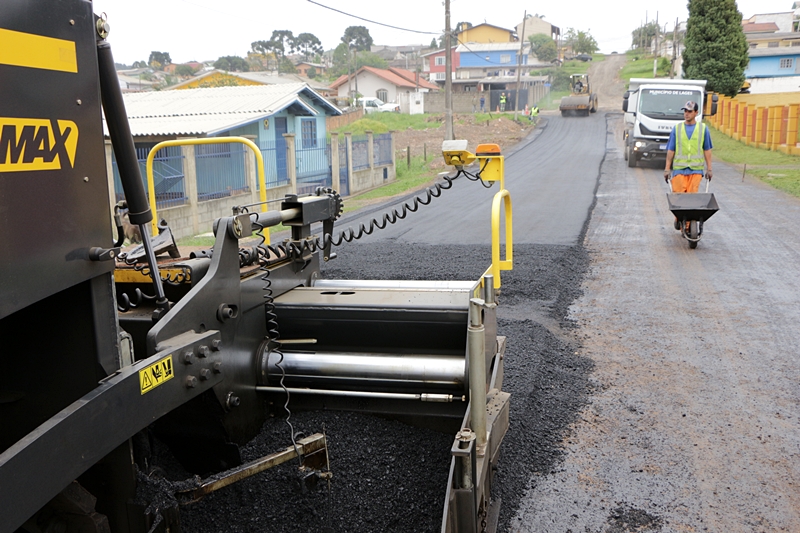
693,425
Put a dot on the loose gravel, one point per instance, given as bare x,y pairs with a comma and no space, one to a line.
388,476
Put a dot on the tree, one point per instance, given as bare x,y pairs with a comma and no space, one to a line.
308,45
184,71
368,59
285,66
311,73
159,60
584,43
543,47
642,37
434,44
139,64
716,48
340,60
357,38
232,63
283,42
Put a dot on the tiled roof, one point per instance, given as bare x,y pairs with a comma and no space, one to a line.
760,27
396,76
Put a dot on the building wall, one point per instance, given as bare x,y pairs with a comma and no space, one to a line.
492,60
485,34
782,20
534,26
771,66
772,91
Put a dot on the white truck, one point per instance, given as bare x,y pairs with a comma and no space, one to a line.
652,108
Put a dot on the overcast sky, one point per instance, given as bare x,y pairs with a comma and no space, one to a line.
207,29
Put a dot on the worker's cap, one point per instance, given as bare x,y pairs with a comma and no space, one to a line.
689,106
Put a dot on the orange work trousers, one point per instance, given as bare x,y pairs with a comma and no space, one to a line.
686,182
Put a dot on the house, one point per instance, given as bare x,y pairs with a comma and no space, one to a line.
784,22
774,70
492,60
484,33
216,175
405,57
434,65
390,85
304,66
535,25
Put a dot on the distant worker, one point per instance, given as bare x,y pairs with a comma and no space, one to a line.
502,102
534,113
578,86
686,153
483,104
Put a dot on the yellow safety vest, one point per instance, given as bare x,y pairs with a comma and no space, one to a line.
689,152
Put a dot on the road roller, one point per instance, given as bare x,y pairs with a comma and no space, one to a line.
106,351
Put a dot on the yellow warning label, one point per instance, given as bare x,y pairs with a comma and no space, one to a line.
156,374
37,144
37,51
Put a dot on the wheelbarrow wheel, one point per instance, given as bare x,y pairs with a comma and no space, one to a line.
693,234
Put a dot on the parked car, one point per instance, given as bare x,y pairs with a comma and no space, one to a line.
583,57
376,105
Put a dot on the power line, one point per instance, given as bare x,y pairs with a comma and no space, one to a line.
374,22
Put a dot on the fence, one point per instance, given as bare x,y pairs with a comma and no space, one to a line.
197,184
773,127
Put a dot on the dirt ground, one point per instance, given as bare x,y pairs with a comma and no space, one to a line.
499,129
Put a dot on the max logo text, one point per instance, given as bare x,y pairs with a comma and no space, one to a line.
37,144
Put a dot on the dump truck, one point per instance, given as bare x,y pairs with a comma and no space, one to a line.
581,100
652,108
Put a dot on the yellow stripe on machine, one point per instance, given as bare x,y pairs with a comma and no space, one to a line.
130,275
37,51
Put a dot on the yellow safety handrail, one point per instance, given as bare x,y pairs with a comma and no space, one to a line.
151,189
502,197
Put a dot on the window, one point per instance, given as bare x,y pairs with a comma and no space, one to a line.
382,94
753,45
505,58
772,44
787,62
440,60
308,128
439,76
795,43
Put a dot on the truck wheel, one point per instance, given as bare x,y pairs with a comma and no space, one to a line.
632,159
626,151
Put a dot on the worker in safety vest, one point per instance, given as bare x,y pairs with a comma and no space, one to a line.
688,149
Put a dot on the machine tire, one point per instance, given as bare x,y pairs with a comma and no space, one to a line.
563,113
631,159
693,234
626,152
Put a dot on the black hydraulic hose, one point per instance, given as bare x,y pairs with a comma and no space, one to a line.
120,132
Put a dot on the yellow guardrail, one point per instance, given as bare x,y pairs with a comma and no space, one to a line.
501,199
151,189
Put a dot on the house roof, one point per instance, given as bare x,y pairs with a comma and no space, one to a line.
439,51
214,110
760,27
777,51
265,78
785,36
396,76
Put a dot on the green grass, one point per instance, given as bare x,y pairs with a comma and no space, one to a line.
408,178
737,153
786,180
640,67
197,241
384,122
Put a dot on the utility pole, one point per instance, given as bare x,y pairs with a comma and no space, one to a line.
519,64
448,82
655,46
674,49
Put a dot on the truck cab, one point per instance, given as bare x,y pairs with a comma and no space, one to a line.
652,108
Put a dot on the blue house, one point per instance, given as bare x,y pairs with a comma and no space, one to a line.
773,70
481,60
264,113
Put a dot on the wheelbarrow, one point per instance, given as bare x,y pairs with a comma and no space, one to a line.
691,210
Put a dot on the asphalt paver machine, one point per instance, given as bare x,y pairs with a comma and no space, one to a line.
197,351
